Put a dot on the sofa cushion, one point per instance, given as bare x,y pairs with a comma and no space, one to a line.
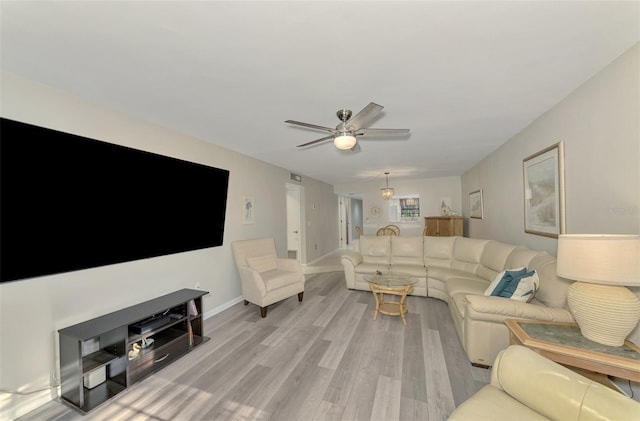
526,289
438,251
496,280
456,286
375,249
467,253
263,263
510,282
416,271
552,291
368,268
494,258
444,274
522,256
406,250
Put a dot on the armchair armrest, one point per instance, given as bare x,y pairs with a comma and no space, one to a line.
497,309
252,284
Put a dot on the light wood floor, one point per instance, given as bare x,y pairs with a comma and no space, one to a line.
323,359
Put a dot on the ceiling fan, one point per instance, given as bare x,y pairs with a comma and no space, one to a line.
344,135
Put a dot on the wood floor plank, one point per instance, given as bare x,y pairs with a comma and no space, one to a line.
386,403
301,393
439,395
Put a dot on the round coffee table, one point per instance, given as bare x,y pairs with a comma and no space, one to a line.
390,283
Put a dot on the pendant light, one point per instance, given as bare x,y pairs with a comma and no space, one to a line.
387,192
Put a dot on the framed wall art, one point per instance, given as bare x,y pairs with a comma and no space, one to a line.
475,204
544,208
247,210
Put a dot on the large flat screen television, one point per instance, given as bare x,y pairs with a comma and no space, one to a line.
68,203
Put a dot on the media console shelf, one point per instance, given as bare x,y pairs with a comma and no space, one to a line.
101,357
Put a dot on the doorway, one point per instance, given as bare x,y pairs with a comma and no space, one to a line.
294,222
350,218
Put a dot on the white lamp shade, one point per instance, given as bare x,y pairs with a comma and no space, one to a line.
344,141
600,258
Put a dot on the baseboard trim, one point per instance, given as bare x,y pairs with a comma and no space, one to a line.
222,307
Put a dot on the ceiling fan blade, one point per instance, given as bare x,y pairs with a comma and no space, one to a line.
365,115
382,132
315,141
312,126
356,148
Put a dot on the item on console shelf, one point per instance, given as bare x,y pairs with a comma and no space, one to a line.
149,324
193,310
135,352
95,378
147,342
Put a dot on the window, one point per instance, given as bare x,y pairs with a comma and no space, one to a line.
404,208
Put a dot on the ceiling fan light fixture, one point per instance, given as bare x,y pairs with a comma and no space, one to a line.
387,192
345,141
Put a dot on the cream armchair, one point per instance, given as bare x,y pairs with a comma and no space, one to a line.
265,278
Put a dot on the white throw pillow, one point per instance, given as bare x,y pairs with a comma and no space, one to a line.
263,263
527,288
498,278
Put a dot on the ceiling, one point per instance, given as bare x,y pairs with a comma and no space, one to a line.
464,76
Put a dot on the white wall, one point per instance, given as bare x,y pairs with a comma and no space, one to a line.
31,311
600,125
431,191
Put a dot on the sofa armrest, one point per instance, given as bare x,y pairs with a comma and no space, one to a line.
557,392
497,309
349,262
352,257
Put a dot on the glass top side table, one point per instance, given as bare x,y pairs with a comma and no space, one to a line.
563,343
390,283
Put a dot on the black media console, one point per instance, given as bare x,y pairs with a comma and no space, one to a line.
101,357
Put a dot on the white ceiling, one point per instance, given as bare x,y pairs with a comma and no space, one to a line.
464,76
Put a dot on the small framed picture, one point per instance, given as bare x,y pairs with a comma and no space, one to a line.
544,192
475,204
247,210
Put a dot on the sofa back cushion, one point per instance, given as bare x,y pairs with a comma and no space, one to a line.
521,256
406,250
375,249
438,251
493,259
552,291
467,253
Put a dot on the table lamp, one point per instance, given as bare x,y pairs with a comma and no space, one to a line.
601,264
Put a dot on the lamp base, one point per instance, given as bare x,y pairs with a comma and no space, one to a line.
605,313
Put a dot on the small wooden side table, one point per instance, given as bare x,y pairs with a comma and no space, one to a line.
564,344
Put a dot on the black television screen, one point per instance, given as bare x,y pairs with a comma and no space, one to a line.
68,203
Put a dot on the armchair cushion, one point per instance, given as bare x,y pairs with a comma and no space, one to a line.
263,264
275,279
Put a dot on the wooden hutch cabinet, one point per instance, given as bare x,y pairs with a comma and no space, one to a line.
443,226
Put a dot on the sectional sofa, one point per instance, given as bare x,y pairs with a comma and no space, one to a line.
459,270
